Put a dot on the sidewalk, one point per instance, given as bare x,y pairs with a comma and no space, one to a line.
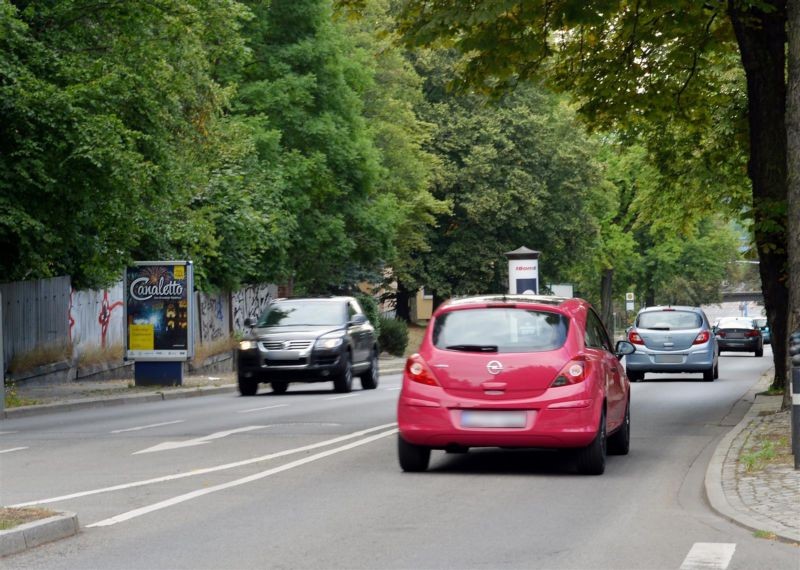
750,479
77,395
761,495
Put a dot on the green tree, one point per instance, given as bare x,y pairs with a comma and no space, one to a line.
306,83
104,111
518,171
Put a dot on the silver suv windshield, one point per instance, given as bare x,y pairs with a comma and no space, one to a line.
297,313
669,320
500,330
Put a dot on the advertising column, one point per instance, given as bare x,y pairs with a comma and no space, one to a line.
523,271
159,320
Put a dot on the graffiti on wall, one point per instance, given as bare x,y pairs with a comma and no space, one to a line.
95,318
250,302
213,317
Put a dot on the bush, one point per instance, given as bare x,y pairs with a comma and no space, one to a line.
394,336
370,306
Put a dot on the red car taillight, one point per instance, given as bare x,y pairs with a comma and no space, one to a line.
635,338
573,373
702,337
751,334
721,334
419,371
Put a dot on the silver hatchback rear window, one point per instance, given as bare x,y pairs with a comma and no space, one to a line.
500,330
669,320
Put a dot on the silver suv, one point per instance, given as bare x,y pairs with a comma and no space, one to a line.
672,339
309,340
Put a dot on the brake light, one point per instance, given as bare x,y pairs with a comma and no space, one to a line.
573,373
418,370
751,334
635,338
721,334
702,337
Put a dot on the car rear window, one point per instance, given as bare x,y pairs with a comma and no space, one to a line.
669,320
735,323
500,330
314,313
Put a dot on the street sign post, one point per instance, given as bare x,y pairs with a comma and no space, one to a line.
629,299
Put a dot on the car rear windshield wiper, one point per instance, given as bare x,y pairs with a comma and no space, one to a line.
473,347
660,328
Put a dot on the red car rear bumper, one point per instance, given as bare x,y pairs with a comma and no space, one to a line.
436,422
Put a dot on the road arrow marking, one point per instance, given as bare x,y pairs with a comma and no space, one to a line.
709,556
244,480
207,470
168,445
147,427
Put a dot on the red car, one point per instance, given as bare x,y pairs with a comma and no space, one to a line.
515,371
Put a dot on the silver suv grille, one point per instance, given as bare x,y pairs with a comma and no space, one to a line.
287,345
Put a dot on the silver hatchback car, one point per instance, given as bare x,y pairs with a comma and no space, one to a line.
672,339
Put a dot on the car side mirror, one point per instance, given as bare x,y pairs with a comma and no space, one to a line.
624,348
250,322
359,319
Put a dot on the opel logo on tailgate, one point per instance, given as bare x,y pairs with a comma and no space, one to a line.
494,367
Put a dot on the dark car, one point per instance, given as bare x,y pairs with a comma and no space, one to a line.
739,334
763,324
309,340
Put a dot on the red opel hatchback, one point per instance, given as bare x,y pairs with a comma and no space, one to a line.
515,371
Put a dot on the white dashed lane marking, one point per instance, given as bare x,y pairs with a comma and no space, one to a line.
340,397
12,449
264,408
137,428
709,556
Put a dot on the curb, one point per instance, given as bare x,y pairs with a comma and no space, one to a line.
33,534
27,411
713,480
71,405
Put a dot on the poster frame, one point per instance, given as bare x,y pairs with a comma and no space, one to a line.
163,355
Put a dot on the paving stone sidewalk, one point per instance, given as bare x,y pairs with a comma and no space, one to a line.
763,486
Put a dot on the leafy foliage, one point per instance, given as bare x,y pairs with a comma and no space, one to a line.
393,336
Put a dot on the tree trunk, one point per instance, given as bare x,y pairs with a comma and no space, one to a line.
793,167
607,300
762,39
402,308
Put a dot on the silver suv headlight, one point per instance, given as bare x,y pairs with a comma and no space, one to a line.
330,341
248,345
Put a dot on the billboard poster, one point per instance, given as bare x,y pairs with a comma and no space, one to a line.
159,309
523,276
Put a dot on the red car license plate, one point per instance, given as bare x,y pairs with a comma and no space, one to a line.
493,419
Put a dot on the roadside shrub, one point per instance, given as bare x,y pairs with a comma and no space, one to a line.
370,306
394,336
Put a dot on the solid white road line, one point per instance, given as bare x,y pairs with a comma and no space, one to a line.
392,389
345,396
6,432
12,449
255,477
709,556
208,469
147,427
264,408
168,445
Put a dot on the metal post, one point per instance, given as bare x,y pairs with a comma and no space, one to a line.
2,364
794,352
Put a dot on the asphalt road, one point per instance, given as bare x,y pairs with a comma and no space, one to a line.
310,479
